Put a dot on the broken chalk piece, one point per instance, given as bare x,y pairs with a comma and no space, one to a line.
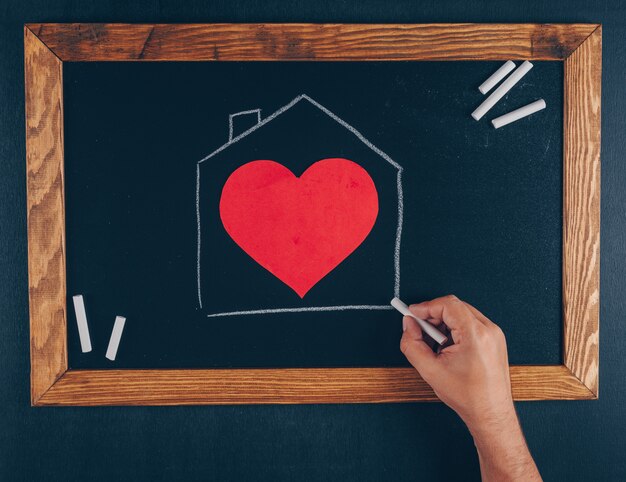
429,329
501,91
518,114
496,77
116,335
81,321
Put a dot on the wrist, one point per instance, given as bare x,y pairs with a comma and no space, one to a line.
492,423
502,449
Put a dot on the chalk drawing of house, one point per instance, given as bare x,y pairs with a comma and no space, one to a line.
296,135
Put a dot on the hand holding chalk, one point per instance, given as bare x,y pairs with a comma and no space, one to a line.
429,329
472,377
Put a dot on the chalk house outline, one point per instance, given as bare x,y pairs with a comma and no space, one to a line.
260,123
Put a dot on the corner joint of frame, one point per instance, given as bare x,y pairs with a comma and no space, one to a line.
596,30
592,391
37,401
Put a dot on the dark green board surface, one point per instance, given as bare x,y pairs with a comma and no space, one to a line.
573,441
481,208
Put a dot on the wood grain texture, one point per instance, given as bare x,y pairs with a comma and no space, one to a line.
245,386
581,210
46,226
51,384
194,42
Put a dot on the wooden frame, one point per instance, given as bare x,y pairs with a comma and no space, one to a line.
47,46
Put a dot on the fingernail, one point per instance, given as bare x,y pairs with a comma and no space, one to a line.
404,323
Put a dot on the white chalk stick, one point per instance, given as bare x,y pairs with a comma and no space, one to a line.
116,335
518,114
496,77
433,332
81,321
502,90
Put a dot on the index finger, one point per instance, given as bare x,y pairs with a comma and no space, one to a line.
451,310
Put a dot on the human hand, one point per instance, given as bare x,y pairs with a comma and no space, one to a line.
471,376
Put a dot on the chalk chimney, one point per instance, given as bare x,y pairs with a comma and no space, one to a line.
240,122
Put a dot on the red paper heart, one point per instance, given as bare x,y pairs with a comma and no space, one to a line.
299,229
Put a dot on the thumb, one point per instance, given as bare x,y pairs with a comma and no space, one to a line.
415,348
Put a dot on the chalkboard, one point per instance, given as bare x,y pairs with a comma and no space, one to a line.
482,208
